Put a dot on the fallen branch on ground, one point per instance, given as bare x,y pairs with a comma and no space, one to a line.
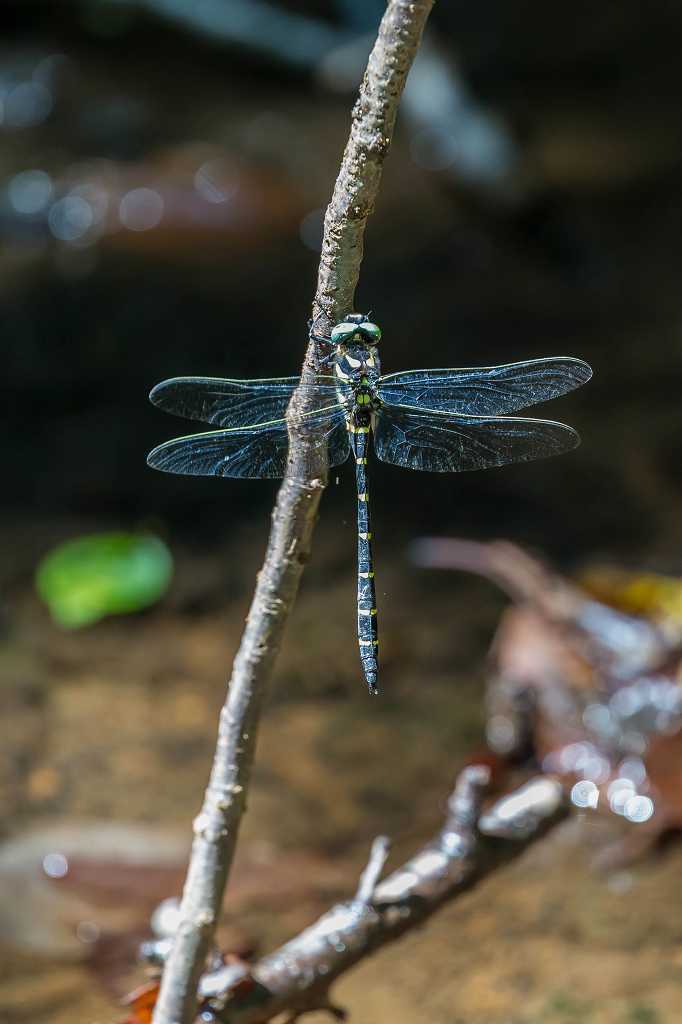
297,977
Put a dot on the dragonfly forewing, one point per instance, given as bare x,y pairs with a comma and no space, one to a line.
237,403
485,390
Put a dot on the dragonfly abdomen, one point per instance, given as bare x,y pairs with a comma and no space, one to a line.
368,634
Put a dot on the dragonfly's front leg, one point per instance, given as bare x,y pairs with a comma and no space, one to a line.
329,358
321,339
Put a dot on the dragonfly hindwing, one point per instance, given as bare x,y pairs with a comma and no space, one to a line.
252,452
440,442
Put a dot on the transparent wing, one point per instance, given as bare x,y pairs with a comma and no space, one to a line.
444,443
249,452
486,390
235,403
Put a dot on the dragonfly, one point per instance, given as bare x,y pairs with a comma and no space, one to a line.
436,420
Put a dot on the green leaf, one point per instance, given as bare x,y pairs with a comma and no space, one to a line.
86,579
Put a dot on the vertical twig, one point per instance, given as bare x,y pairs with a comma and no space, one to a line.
215,828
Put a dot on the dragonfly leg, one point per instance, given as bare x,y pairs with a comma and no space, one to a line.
321,339
329,358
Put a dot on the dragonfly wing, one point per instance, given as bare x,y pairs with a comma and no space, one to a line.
253,452
486,390
444,443
235,403
335,434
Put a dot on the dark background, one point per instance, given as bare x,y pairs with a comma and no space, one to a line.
531,205
580,259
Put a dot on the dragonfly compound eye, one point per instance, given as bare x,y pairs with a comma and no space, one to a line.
372,331
343,332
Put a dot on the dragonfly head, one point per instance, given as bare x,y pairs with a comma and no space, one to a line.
356,328
356,339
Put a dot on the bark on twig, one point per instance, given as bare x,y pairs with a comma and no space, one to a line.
216,826
357,185
296,978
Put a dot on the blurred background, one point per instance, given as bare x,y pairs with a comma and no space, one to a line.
164,169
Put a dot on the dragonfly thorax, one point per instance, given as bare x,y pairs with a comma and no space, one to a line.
355,360
357,371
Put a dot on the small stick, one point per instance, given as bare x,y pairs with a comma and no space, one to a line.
375,865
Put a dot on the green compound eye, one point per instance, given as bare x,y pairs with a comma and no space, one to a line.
373,330
343,331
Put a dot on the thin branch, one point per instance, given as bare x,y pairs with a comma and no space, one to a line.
375,865
357,185
296,978
216,826
452,132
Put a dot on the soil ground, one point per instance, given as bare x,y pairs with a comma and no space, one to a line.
109,734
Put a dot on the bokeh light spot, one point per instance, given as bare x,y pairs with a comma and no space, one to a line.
585,794
216,181
619,792
30,191
166,918
70,218
639,809
141,209
597,717
55,865
633,768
